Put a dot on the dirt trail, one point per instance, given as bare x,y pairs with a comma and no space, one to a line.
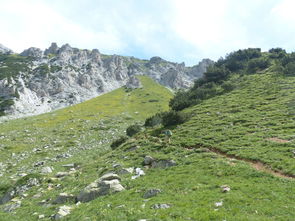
260,166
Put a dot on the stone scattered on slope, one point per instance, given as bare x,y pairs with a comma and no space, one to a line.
148,160
64,198
126,170
61,174
18,190
11,207
163,164
109,176
161,206
218,204
151,193
70,165
42,216
62,212
225,188
138,172
46,170
107,184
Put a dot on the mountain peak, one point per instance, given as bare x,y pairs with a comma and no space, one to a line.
53,49
32,52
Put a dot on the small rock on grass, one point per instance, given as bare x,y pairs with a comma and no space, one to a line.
225,188
151,193
11,207
63,198
218,204
161,206
46,170
138,172
62,212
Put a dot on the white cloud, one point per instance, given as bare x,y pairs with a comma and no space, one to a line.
208,26
35,23
180,30
284,11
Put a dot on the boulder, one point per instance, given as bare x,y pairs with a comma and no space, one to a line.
151,193
225,188
138,172
62,212
110,176
163,164
61,174
46,170
107,184
18,190
126,170
148,160
63,198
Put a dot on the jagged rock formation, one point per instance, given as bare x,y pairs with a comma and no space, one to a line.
133,83
37,81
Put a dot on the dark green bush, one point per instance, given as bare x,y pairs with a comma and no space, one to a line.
227,86
153,120
277,53
289,68
171,118
133,129
180,101
258,64
118,142
216,74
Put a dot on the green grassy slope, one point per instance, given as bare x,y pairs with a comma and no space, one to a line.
240,123
81,131
255,121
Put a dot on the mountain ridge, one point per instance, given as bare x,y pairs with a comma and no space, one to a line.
62,76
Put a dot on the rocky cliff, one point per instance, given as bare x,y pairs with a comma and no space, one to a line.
37,81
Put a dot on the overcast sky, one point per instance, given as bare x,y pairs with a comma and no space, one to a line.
176,30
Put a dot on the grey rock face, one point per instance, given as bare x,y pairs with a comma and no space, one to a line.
53,49
5,50
133,83
32,52
64,76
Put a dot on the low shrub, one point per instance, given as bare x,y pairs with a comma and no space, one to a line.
133,129
118,142
153,120
172,118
